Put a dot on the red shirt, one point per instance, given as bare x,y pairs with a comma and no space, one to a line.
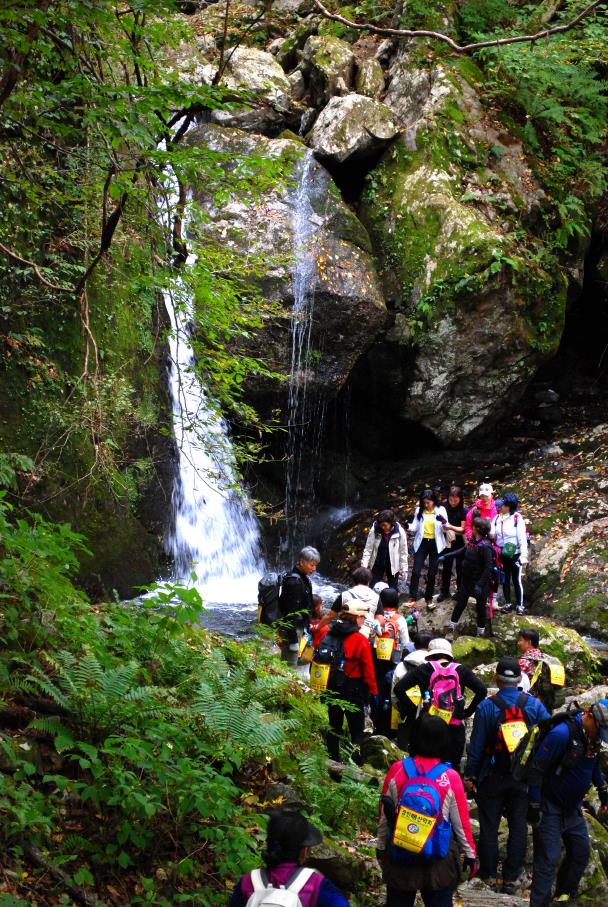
358,658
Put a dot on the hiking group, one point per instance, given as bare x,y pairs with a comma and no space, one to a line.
372,667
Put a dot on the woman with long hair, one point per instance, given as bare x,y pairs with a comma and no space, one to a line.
429,541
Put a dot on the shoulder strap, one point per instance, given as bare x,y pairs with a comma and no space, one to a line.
259,880
437,771
500,702
522,701
409,767
299,879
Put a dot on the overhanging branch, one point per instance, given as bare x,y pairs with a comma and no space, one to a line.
453,45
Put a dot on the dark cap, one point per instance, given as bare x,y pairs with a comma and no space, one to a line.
508,669
290,828
599,710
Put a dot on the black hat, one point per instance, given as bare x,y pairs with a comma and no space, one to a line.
290,828
508,669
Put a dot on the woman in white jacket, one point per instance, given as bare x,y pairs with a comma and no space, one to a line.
429,542
385,552
509,534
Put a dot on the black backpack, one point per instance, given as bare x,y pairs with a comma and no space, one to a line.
330,652
269,591
552,695
523,765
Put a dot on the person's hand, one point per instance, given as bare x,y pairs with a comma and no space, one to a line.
469,867
534,815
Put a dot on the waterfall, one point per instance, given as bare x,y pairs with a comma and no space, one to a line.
215,533
301,440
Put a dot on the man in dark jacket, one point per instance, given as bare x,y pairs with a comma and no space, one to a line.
476,573
488,771
296,604
440,651
565,766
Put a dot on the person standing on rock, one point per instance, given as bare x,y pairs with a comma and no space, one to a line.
360,591
476,572
406,871
509,534
438,666
385,551
457,513
296,604
428,525
289,837
566,763
484,506
488,773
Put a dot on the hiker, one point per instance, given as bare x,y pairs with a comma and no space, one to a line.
455,541
476,572
288,839
351,674
528,643
385,551
508,532
409,661
484,506
296,604
429,541
359,592
566,763
500,724
442,683
388,643
424,782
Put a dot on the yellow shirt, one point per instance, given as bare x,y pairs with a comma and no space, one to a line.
429,525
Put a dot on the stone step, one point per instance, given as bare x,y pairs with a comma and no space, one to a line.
477,894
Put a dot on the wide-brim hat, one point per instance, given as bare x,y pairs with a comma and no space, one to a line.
439,647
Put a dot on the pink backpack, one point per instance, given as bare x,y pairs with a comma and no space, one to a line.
445,693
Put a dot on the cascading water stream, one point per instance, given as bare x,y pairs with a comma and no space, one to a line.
215,533
311,181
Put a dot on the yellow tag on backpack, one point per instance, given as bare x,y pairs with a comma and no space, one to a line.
412,829
395,718
306,651
513,732
415,695
384,648
558,674
444,714
319,676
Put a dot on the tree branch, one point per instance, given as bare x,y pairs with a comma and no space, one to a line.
445,39
35,268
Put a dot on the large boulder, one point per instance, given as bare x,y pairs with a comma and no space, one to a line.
294,191
474,650
258,73
475,313
329,64
379,752
343,866
369,77
351,128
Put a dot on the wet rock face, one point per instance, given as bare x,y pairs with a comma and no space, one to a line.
259,73
348,305
351,128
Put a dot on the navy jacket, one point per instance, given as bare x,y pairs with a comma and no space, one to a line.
485,728
568,788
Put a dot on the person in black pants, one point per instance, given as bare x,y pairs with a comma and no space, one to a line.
457,513
429,541
476,572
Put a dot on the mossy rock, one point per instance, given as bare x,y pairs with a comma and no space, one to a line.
562,642
582,597
328,62
345,869
474,650
593,888
379,752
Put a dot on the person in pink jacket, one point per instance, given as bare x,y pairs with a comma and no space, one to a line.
484,506
435,880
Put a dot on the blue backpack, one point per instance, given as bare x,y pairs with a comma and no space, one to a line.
420,834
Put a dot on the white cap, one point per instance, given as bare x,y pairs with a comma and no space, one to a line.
486,488
439,647
380,586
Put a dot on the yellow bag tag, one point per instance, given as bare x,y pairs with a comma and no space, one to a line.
319,676
536,674
303,644
412,829
444,714
415,695
306,655
513,732
395,718
384,648
558,674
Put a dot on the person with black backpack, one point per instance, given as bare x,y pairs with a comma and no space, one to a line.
442,683
296,603
289,837
564,765
424,823
499,726
342,667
